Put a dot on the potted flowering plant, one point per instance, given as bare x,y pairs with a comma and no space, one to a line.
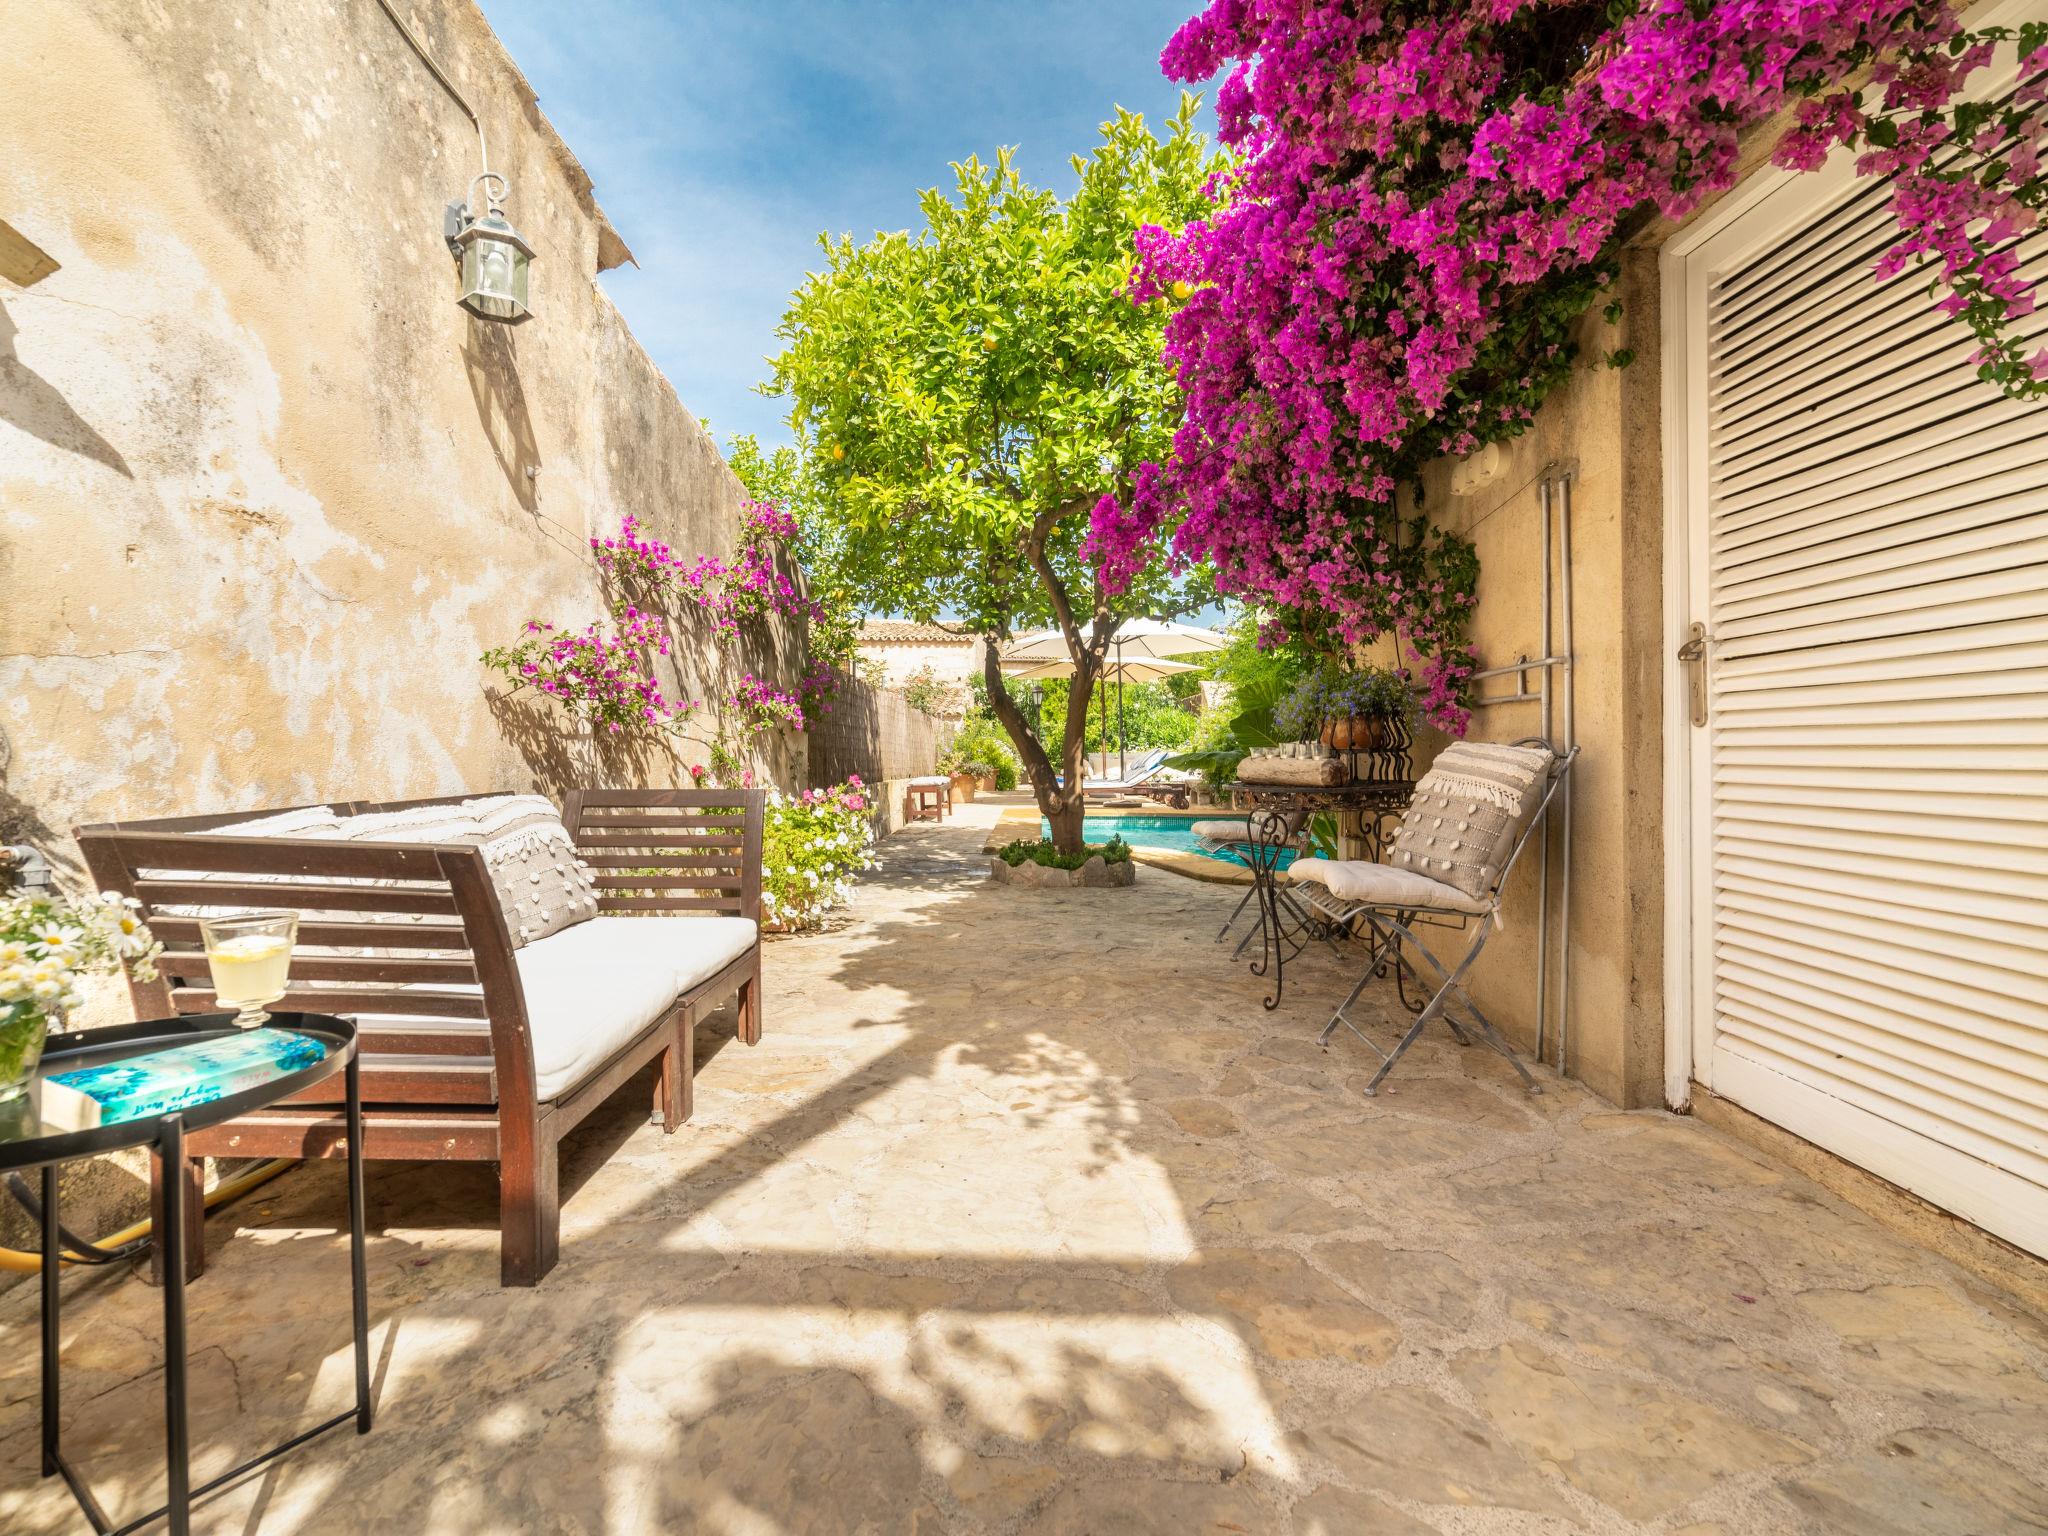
1346,708
813,845
965,772
46,944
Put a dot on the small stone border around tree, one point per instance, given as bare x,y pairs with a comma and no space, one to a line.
1097,872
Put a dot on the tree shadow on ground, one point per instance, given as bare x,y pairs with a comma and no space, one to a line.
754,1327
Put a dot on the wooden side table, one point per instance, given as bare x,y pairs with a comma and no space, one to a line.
927,799
55,1123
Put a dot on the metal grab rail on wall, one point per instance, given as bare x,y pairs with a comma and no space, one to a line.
1556,658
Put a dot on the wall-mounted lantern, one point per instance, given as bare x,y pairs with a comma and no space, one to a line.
496,263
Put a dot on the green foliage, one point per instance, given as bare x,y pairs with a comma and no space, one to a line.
812,847
1154,715
981,747
961,383
925,691
786,477
1337,691
965,393
1042,851
1249,728
1246,668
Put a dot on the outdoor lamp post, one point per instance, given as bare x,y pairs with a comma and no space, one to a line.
496,263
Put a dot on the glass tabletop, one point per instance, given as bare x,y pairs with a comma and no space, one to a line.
104,1088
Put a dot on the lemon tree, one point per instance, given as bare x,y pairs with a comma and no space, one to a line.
966,393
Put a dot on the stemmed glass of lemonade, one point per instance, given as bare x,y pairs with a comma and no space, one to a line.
249,956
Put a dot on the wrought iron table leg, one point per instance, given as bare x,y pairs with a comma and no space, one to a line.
51,1265
177,1432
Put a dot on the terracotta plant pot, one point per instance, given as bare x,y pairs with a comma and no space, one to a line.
963,788
987,783
1360,733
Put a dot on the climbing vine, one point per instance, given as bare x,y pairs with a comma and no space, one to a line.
608,673
1431,194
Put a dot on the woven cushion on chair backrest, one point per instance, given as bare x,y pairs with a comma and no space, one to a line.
1467,812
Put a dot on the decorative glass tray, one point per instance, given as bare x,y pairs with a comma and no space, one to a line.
184,1075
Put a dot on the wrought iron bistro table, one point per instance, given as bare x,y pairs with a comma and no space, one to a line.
1286,929
53,1124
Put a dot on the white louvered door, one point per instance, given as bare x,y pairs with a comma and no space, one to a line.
1870,792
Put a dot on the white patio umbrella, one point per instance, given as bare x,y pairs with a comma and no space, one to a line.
1134,637
1136,669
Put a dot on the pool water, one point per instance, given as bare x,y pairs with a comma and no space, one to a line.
1170,832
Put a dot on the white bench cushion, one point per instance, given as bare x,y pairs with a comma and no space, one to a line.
1353,880
593,987
1222,831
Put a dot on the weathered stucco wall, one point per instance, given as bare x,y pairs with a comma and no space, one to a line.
1608,423
266,491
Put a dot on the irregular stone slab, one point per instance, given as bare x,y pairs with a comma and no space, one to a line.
1922,1340
1409,1443
1794,1398
1361,1151
1639,1449
854,1288
1289,1310
1149,1508
1922,1482
1460,1099
999,1488
1334,1511
1680,1150
1271,1209
811,1455
1203,1117
1423,1284
1706,1274
1561,1188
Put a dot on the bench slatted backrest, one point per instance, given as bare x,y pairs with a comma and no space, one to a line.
670,850
405,938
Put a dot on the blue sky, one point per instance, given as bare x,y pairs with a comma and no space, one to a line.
724,135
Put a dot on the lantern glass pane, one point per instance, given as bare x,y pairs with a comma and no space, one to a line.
495,278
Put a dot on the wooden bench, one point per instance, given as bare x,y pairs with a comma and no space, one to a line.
408,939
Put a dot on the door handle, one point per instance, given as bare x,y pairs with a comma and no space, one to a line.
1694,654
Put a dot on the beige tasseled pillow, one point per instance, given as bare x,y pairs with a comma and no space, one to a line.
1467,812
542,886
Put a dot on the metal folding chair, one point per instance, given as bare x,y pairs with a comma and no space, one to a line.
1393,933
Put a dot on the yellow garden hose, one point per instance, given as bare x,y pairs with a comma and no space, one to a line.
220,1194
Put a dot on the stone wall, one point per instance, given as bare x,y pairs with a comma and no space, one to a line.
1608,424
266,491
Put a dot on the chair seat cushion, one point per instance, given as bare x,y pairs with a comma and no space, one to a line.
594,987
1221,831
1360,880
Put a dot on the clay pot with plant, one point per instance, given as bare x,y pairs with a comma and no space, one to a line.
1347,709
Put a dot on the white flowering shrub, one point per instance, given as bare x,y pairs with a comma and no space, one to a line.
46,944
814,845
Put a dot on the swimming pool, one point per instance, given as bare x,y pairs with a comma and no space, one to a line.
1170,832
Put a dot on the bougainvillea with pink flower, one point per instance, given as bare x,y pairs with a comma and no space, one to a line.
608,678
1432,193
750,586
609,674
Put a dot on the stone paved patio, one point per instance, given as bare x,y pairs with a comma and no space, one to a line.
1027,1218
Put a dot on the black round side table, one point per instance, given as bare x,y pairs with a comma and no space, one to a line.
94,1093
